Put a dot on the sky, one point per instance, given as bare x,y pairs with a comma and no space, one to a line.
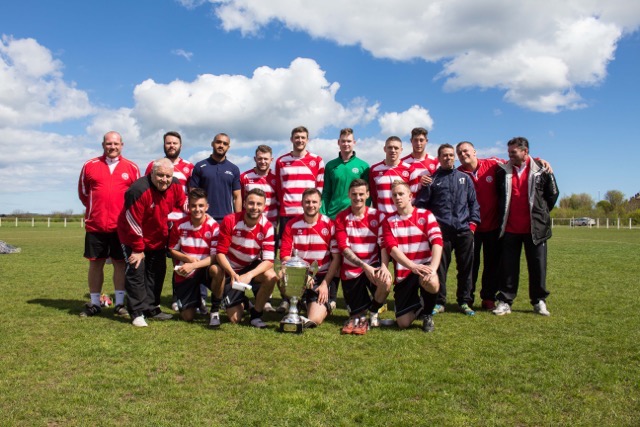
563,74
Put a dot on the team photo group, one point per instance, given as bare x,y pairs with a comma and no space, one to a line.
393,226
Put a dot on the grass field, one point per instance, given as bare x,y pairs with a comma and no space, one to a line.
581,366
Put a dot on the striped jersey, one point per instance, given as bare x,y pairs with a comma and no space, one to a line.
314,242
360,234
294,175
243,244
267,183
198,242
182,171
381,177
414,235
426,166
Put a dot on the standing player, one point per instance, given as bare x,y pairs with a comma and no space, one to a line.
423,164
339,173
313,236
144,233
101,187
384,173
263,178
245,253
413,240
192,245
365,283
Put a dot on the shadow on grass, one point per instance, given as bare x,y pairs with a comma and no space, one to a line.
73,308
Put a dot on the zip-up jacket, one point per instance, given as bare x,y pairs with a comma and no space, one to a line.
451,197
542,194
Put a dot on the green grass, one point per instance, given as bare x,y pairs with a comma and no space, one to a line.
581,366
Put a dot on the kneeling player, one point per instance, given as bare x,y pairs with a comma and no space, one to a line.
357,230
413,239
192,245
245,252
312,235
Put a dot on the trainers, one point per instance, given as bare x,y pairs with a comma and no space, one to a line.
439,308
308,324
488,304
348,326
162,316
268,308
90,310
203,307
120,310
465,309
502,308
258,323
541,308
175,307
214,320
362,327
283,307
374,320
332,305
427,324
139,322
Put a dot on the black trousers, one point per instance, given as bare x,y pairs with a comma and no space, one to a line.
510,268
486,242
460,243
144,284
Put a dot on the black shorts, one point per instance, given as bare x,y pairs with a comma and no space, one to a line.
358,293
102,246
406,295
311,295
187,292
233,297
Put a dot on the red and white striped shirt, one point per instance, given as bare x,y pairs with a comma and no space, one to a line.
414,235
182,171
381,177
198,242
426,166
243,244
360,234
267,183
294,175
314,242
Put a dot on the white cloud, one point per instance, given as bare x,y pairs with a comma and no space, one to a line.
400,124
256,107
181,52
538,51
32,90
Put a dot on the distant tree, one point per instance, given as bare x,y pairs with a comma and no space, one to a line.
605,206
581,201
615,197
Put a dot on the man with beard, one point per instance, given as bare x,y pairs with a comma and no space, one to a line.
245,253
451,197
144,232
313,236
101,187
219,178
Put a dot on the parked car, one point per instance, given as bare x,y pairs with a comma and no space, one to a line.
584,221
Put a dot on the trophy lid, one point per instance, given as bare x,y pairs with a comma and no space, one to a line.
295,261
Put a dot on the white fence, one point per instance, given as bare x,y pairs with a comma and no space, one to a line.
599,223
40,221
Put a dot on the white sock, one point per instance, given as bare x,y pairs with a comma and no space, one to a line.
95,298
120,297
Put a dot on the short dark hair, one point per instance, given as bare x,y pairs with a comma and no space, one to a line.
346,131
264,149
309,191
197,193
257,192
419,131
443,146
393,138
358,182
463,142
300,129
519,141
172,133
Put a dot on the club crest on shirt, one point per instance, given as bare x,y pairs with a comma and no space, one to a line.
125,176
185,170
462,180
325,232
238,233
489,179
374,223
273,182
207,235
422,221
260,236
313,163
355,170
405,174
432,166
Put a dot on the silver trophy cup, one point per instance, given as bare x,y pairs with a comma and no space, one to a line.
297,277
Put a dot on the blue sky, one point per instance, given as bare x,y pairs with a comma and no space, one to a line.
563,74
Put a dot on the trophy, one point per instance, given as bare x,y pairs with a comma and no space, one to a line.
298,276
